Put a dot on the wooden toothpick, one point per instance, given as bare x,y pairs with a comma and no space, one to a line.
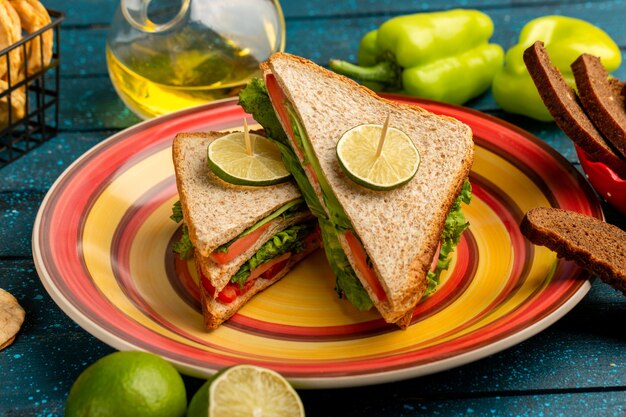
246,137
383,135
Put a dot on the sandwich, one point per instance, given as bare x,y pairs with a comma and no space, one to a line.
381,245
242,238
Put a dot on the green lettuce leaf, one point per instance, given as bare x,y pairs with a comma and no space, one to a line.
348,283
184,247
293,166
254,99
177,212
451,236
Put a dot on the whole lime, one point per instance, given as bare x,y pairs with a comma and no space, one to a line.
123,384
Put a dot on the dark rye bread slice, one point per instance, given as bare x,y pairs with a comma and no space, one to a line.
602,99
594,245
563,104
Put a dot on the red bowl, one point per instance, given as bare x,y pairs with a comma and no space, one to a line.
607,183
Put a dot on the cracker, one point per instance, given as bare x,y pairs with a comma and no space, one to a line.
10,33
11,318
33,16
18,105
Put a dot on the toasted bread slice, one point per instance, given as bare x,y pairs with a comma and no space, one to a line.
563,104
593,244
215,312
602,99
215,212
400,229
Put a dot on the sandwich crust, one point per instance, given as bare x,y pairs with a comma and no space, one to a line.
400,229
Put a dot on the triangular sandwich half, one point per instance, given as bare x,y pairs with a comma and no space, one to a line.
243,238
386,239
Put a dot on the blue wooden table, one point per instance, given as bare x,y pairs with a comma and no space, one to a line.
575,367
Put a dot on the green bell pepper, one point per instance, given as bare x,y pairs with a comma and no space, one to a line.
565,38
440,55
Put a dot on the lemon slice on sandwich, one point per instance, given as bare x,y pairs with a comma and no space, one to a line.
376,165
258,162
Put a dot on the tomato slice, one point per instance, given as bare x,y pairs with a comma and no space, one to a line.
259,270
207,284
231,291
312,175
239,246
366,271
277,96
275,269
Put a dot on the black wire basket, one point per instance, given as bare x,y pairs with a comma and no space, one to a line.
29,100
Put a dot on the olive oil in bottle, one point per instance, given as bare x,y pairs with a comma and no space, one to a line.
166,55
153,82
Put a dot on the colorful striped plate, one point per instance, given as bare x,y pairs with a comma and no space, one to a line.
102,246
